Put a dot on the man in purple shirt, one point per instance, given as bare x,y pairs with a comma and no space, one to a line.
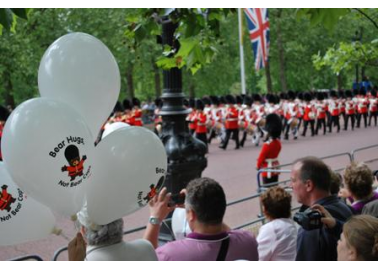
211,239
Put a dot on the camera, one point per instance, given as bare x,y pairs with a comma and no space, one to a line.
177,199
309,219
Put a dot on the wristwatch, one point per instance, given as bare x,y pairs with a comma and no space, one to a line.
154,221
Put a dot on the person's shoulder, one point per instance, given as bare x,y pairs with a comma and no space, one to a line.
242,235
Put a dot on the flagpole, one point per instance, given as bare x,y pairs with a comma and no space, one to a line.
241,51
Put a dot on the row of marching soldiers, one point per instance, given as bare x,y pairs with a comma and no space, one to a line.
224,117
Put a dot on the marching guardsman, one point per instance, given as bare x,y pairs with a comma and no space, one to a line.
320,113
216,118
201,120
334,110
4,114
231,123
362,108
127,116
137,113
245,120
291,122
349,109
268,157
258,113
191,118
299,101
272,105
309,115
342,104
373,106
158,120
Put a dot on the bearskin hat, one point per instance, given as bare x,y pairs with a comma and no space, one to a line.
373,92
214,100
71,152
239,100
320,96
200,104
206,100
271,98
300,96
333,94
247,101
256,97
362,91
118,107
283,95
136,102
127,104
291,95
356,92
158,102
230,99
307,96
348,94
4,113
341,94
273,125
192,102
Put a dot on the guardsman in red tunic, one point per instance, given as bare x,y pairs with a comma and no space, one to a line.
349,109
231,123
246,118
309,114
191,118
268,157
362,108
334,110
342,101
127,116
6,199
373,106
137,113
320,113
216,118
201,119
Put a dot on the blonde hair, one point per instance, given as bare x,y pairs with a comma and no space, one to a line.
359,180
361,232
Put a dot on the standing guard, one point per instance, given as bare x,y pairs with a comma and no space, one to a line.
231,118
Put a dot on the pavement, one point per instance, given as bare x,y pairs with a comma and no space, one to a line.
235,171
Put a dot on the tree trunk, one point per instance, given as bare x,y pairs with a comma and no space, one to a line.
339,82
8,95
130,82
268,78
281,56
157,79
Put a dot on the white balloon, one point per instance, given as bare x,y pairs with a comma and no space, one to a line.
130,167
22,219
180,225
80,70
109,128
39,137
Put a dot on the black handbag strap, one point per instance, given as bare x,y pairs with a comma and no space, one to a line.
223,249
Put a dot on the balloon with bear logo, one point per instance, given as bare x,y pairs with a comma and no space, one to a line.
80,70
130,167
22,219
47,149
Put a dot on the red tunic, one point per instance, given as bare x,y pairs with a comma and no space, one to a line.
362,105
268,156
232,115
201,122
5,200
192,120
76,170
309,113
137,115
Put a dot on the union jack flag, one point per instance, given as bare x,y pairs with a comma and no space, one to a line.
258,25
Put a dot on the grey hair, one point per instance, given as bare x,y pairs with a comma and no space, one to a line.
108,234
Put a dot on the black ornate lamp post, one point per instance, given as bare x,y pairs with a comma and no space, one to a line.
186,155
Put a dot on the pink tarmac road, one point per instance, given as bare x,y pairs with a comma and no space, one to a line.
235,171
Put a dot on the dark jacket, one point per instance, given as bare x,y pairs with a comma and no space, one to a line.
321,244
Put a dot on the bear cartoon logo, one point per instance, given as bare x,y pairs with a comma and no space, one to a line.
76,164
154,189
6,199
